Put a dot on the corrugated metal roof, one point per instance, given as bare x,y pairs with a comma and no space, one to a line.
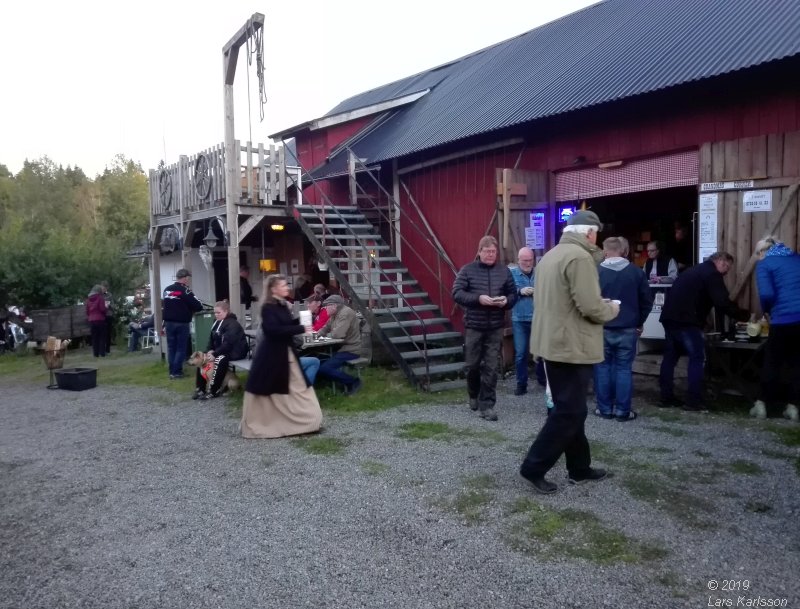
609,51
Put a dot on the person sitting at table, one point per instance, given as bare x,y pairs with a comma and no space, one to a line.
659,268
343,324
226,343
138,329
319,314
279,400
778,279
683,316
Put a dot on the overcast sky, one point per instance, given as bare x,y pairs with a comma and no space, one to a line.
85,80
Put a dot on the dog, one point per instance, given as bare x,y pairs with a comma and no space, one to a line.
198,359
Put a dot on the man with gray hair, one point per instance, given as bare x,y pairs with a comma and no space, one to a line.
568,332
486,290
613,377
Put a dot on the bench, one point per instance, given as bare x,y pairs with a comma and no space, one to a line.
241,364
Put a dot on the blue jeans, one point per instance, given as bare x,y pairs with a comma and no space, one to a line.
613,377
331,368
680,340
177,334
522,349
310,366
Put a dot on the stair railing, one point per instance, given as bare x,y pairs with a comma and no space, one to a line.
329,209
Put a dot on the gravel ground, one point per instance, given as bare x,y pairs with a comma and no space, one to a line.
124,497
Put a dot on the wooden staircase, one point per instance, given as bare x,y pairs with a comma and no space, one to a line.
420,339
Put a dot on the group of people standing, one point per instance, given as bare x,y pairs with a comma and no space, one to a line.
590,307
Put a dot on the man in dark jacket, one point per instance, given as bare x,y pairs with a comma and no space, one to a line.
179,305
245,289
683,316
613,377
226,343
486,290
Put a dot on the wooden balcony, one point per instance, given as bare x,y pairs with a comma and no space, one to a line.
194,187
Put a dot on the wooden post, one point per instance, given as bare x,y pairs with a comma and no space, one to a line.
351,172
182,189
230,55
506,211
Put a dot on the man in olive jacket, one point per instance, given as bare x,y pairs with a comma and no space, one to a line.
568,333
486,290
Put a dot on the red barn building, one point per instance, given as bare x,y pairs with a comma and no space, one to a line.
647,111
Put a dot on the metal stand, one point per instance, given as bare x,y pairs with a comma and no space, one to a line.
53,384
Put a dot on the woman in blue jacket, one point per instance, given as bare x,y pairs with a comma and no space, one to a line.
778,276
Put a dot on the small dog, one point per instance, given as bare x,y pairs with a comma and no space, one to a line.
198,359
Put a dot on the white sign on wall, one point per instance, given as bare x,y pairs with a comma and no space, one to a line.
707,228
534,236
757,200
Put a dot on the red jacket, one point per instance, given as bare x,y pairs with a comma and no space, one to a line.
96,308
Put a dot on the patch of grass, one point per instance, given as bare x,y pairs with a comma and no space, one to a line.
776,454
321,445
673,431
671,499
471,501
424,430
430,430
374,468
788,436
382,389
757,507
741,466
658,450
573,533
701,453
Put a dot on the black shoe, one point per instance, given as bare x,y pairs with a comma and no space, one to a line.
521,390
669,403
540,485
198,393
473,403
206,396
598,413
489,414
590,475
631,416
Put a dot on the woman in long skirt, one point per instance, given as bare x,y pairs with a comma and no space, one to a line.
278,401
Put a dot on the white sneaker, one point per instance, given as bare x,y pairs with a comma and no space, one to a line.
791,413
759,410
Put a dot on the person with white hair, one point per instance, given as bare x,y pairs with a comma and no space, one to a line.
778,278
568,332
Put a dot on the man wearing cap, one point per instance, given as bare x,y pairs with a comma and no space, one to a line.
568,333
179,305
343,324
486,290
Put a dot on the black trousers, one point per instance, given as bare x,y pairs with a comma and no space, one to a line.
217,377
563,431
482,357
782,348
98,329
109,332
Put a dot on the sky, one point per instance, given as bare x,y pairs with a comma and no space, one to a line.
84,81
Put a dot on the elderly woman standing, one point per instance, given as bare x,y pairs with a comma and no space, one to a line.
778,276
278,401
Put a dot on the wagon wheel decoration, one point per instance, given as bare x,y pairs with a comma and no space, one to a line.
202,176
165,189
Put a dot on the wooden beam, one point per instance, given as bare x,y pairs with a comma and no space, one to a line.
247,226
459,155
231,50
784,206
523,205
516,190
